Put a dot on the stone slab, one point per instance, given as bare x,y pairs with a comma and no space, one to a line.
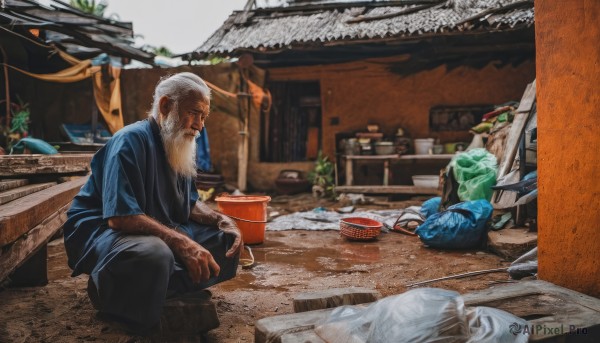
333,297
511,243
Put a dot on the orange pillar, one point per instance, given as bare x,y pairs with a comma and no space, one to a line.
567,37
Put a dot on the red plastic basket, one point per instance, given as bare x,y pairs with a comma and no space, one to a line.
360,229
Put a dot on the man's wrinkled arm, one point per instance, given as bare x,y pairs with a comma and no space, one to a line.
144,225
198,261
203,214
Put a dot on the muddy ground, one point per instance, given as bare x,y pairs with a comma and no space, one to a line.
289,262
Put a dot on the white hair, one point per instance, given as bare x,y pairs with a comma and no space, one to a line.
177,86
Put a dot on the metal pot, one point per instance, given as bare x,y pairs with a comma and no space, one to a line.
385,148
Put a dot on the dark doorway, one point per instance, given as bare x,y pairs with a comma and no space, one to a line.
291,131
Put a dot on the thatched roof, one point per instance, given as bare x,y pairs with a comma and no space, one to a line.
300,26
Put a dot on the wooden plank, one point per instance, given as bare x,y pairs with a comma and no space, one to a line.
516,130
20,192
12,183
512,143
13,165
524,288
333,297
545,305
528,98
19,216
396,189
28,245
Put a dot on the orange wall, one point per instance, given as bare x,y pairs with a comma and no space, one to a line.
365,92
357,93
568,82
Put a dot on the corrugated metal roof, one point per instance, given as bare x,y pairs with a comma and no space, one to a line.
273,29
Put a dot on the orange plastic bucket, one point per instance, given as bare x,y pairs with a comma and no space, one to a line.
249,207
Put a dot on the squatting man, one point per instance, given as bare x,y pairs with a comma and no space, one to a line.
137,227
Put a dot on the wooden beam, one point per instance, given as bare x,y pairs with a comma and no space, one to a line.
528,3
10,184
528,98
16,193
19,216
28,245
12,165
375,189
409,10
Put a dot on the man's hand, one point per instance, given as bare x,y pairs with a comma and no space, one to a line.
203,214
198,261
227,224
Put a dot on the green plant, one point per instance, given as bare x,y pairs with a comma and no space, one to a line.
322,176
20,118
19,123
90,6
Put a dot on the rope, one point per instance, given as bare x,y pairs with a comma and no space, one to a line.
220,90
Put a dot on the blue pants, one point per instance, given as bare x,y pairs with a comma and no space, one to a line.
135,276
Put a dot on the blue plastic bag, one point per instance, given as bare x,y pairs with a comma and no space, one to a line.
431,206
461,226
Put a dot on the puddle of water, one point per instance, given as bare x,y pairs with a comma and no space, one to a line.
319,258
347,257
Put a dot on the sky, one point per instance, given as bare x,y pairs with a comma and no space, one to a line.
180,25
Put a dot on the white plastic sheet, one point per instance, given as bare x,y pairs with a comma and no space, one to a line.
419,316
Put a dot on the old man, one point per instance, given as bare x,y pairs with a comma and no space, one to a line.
137,227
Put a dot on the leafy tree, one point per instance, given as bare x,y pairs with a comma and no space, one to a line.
162,51
90,6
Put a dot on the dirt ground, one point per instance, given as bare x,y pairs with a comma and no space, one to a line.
288,262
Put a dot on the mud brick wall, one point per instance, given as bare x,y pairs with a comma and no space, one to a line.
361,93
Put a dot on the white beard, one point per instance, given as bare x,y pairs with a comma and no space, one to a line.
180,145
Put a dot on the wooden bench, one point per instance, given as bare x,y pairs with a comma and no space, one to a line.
33,205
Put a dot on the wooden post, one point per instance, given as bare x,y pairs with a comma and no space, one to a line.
244,114
243,156
349,172
386,172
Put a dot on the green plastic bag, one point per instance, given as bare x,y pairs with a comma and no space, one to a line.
475,171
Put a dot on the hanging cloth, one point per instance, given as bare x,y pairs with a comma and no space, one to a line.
77,72
107,92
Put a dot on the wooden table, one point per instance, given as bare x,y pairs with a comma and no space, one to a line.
386,188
